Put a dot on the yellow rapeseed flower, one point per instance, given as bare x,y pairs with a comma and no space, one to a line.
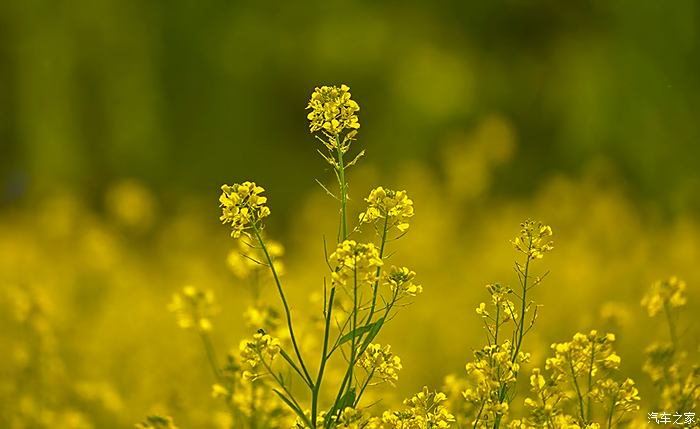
242,206
358,261
533,239
400,281
332,110
393,207
262,346
381,363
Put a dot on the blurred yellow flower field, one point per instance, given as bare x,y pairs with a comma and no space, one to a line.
389,298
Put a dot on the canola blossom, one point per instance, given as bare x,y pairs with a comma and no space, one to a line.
242,206
332,110
391,208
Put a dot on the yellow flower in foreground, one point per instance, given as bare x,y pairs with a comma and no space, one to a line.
358,261
261,348
242,206
400,281
332,110
426,410
381,363
394,207
533,239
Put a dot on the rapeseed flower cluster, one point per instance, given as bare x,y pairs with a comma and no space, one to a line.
491,373
391,208
585,354
380,363
579,375
543,406
355,262
503,308
426,410
242,206
533,240
262,348
624,396
400,281
333,110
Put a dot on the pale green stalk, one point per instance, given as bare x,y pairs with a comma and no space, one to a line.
590,382
379,269
578,391
520,327
612,412
353,343
340,169
343,191
324,359
289,399
287,312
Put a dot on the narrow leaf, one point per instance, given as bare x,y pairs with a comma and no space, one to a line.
358,332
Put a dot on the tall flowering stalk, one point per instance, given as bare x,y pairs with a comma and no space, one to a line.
495,368
360,298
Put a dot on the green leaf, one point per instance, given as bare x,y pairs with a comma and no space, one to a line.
358,332
376,327
291,405
347,400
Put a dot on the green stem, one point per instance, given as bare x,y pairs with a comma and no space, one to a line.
521,326
293,404
324,359
498,315
287,313
523,304
353,341
343,191
612,412
578,392
379,270
334,408
364,386
590,381
478,416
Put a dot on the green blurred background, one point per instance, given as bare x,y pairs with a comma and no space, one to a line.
186,95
